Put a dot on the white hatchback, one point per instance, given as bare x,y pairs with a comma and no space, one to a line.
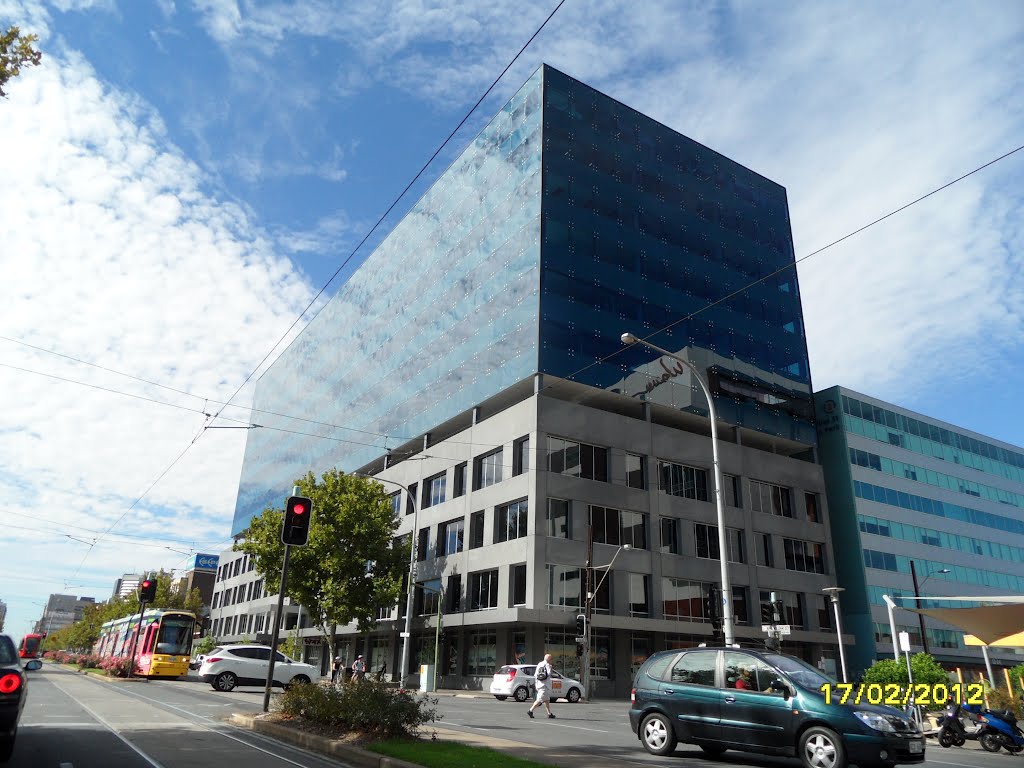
516,680
231,665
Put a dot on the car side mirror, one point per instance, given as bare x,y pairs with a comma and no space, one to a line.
779,686
33,665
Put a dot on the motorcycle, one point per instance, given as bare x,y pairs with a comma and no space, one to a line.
1000,729
952,730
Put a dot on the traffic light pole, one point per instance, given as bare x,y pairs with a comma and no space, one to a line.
135,639
277,628
588,612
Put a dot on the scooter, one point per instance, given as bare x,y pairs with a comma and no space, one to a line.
952,730
999,729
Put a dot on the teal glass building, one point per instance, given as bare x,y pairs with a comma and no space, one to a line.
909,496
568,218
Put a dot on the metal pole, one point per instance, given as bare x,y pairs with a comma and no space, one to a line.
839,634
723,551
277,628
892,627
988,666
135,639
588,611
437,635
917,604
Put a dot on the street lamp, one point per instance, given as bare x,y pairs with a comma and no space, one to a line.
833,592
723,547
588,609
917,601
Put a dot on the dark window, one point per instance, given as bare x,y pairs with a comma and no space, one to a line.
695,668
476,529
806,556
459,480
764,549
483,590
410,499
434,490
396,504
487,469
706,542
636,471
680,480
811,505
510,521
670,536
639,594
730,491
453,601
770,499
521,456
559,522
519,584
423,544
450,537
568,457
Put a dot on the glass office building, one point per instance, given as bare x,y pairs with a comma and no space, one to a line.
914,496
570,218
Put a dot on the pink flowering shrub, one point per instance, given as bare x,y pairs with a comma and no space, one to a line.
117,666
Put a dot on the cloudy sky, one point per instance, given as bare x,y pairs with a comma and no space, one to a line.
181,177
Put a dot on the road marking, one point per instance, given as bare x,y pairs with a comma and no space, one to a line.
66,765
578,728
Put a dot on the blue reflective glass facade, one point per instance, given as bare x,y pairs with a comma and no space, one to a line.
570,219
644,227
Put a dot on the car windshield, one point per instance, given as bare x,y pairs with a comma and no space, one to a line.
800,672
8,653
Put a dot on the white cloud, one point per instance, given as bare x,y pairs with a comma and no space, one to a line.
117,251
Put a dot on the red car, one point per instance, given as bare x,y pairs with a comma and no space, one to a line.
12,693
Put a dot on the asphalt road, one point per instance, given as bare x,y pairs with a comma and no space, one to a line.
74,721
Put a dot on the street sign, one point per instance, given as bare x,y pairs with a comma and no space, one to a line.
581,639
403,634
781,629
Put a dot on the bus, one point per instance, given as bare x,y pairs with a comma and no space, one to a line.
162,641
31,646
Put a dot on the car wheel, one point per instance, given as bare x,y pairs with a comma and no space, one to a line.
657,735
225,681
6,747
522,693
821,748
989,742
501,698
573,696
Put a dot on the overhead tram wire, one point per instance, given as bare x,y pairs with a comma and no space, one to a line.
339,269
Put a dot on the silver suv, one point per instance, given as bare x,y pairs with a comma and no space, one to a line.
231,665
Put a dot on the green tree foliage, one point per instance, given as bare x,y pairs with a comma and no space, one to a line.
82,635
350,565
204,645
16,51
923,665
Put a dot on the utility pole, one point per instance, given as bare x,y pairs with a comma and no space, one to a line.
588,610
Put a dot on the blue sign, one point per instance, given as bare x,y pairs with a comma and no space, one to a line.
205,562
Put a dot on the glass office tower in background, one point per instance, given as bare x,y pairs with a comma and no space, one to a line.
483,337
903,489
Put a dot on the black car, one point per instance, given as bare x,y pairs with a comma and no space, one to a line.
12,693
765,702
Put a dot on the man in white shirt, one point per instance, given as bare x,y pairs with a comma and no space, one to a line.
542,680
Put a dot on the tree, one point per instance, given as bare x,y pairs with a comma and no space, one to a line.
926,670
351,563
16,51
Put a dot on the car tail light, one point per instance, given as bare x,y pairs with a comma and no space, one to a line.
632,696
211,660
9,683
511,674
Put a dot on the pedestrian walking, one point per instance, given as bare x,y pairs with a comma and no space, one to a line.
339,669
542,681
358,668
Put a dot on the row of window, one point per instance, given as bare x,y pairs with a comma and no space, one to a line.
937,508
934,538
938,479
887,561
937,638
241,565
616,527
994,459
591,462
243,593
239,624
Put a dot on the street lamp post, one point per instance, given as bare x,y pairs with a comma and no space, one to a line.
917,601
588,608
833,592
723,547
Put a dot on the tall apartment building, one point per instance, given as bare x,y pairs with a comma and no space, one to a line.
126,585
62,611
909,492
475,360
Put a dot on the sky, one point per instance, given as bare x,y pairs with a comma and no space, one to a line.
182,177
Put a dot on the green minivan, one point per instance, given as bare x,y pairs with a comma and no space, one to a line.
765,702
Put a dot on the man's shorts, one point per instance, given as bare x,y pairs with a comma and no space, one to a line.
543,695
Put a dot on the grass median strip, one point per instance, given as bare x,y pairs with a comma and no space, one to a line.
449,754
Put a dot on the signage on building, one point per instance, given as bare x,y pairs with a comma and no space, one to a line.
205,563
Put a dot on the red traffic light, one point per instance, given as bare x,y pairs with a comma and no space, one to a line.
298,509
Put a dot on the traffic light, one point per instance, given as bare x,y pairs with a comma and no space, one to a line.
581,625
147,590
766,614
779,610
579,649
297,512
715,596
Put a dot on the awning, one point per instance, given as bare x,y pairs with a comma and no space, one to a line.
990,623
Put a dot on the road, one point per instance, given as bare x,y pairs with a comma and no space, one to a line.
75,721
